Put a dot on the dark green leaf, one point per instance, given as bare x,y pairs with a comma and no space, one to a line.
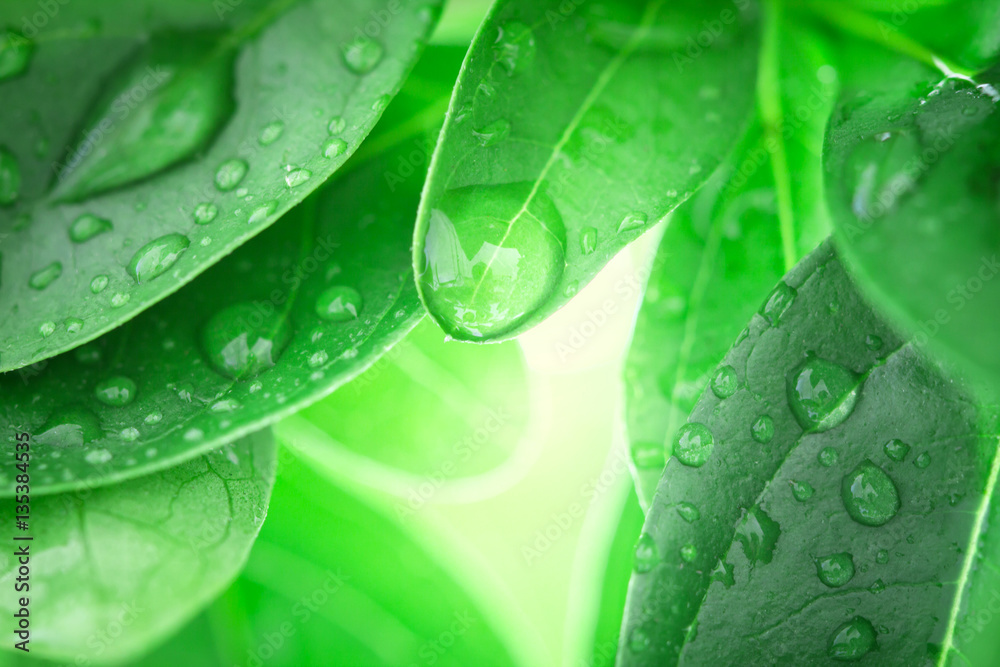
832,506
912,184
152,139
116,570
557,107
296,312
728,245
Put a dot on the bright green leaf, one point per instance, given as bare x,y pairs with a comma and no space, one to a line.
118,569
556,108
817,538
191,122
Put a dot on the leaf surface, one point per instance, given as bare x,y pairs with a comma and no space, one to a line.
116,570
556,108
151,141
835,506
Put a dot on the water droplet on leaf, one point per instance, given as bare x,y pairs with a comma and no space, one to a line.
693,444
339,304
688,512
117,391
87,226
245,339
363,54
156,257
869,494
725,382
835,570
647,556
852,640
205,213
896,450
822,394
493,133
514,48
230,174
762,429
10,176
758,534
778,302
42,278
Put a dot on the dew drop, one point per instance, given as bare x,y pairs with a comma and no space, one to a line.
129,434
334,148
10,172
205,213
822,394
244,340
116,391
897,450
778,302
922,461
15,54
380,103
474,269
42,278
46,329
852,640
226,405
514,48
882,557
230,174
632,221
87,226
647,555
271,133
588,240
339,304
120,299
154,417
869,494
689,553
639,640
802,491
296,177
98,284
693,444
336,125
493,133
194,435
262,213
72,426
318,359
363,54
758,534
724,382
762,429
156,257
873,342
74,325
688,512
835,570
97,456
827,457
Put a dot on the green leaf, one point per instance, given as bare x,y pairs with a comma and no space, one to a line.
151,142
116,570
556,108
358,588
912,188
831,506
725,248
286,319
459,415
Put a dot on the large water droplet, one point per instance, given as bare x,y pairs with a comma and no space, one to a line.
363,54
515,47
778,302
822,394
758,534
870,496
166,103
852,640
835,570
156,257
693,444
724,382
246,339
10,177
15,54
46,276
117,391
87,226
72,426
339,304
492,256
647,555
230,174
334,148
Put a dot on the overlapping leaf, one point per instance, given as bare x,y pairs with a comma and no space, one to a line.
149,141
570,132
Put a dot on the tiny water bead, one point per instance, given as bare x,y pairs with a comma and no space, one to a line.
153,418
802,491
336,125
882,557
156,257
762,429
689,553
317,359
129,434
514,48
828,456
72,426
492,133
205,213
15,53
87,226
873,342
47,329
363,54
334,148
639,640
245,339
230,174
688,512
869,494
822,394
116,391
724,382
97,456
492,256
852,640
120,299
632,221
271,133
693,444
778,302
339,303
99,284
647,555
835,570
896,450
296,177
262,212
588,240
10,177
74,325
44,277
922,461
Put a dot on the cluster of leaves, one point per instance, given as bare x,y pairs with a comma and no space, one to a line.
823,493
